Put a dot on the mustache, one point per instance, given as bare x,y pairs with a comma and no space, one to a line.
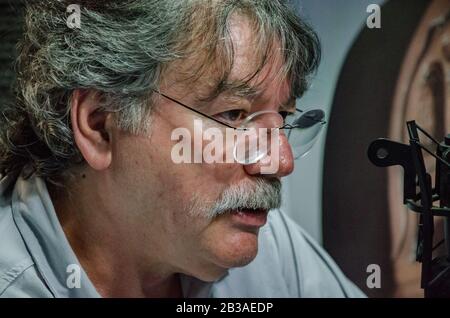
258,193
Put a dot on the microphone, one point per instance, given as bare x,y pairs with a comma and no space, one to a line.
435,272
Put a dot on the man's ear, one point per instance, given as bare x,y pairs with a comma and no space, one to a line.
91,128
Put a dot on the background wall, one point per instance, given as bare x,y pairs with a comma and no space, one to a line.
10,30
337,22
364,82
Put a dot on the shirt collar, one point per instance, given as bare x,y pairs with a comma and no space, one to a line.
44,237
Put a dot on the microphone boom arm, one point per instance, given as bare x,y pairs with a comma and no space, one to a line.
435,272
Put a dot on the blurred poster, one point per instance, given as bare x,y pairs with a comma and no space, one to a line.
397,73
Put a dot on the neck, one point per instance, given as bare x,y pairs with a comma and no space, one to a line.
106,246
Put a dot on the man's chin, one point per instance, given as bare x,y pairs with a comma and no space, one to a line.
226,245
222,263
238,250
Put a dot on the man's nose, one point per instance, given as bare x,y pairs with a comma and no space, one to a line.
282,159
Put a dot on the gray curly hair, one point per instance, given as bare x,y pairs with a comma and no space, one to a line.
121,52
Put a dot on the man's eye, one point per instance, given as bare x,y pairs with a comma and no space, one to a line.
234,115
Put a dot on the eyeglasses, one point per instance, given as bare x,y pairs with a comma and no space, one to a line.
303,127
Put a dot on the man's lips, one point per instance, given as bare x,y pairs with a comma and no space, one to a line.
250,217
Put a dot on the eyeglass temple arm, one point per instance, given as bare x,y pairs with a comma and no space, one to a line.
289,126
192,109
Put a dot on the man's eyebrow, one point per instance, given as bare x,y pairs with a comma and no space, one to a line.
234,88
242,89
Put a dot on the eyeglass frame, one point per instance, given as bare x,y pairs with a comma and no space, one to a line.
284,127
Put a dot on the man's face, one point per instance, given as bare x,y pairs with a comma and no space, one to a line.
169,203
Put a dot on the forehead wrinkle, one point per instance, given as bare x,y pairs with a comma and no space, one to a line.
248,87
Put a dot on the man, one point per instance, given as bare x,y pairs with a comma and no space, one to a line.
93,203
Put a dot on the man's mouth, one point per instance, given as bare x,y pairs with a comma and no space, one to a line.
250,217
